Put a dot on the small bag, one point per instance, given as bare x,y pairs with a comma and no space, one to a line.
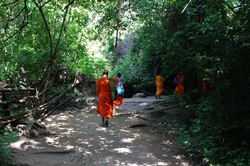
176,80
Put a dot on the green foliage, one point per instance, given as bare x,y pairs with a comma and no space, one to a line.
30,48
206,40
212,131
134,75
6,137
205,46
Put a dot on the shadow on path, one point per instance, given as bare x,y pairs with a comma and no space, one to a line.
78,139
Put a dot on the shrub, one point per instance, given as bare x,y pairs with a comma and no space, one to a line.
6,137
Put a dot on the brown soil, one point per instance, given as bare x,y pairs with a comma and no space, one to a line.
134,138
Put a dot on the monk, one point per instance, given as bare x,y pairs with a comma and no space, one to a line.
206,86
179,89
118,84
159,86
105,103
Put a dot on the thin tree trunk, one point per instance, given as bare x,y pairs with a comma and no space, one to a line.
53,50
117,29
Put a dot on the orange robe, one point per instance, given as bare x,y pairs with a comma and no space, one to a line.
179,90
159,85
117,101
105,103
206,86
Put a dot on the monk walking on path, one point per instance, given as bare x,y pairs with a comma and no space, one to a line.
179,89
120,90
159,86
105,103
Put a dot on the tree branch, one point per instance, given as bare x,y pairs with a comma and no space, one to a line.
24,21
66,8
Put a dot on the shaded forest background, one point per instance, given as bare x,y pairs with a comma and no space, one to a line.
45,43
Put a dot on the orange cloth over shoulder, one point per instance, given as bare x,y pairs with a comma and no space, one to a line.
105,103
115,81
159,85
179,90
206,86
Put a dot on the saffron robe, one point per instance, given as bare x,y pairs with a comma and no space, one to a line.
105,103
159,85
179,89
206,86
117,101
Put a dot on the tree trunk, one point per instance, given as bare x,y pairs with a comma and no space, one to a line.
53,50
117,30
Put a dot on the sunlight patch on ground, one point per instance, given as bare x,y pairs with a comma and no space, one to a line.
24,143
167,142
63,117
69,147
123,150
162,163
146,155
101,128
178,157
136,135
35,146
127,140
81,120
52,141
91,107
81,141
125,131
182,163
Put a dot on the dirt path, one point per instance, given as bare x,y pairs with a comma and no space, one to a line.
79,140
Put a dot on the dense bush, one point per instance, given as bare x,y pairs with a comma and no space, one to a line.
6,137
206,40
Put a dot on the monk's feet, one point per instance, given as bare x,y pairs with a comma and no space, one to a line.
106,123
157,97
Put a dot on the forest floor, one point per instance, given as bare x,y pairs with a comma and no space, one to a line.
137,136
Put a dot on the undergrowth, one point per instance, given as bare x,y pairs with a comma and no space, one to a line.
6,137
214,137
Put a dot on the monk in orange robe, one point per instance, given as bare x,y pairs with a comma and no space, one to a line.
118,101
179,89
105,103
159,86
206,86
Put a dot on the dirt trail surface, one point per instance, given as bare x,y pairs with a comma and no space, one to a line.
77,139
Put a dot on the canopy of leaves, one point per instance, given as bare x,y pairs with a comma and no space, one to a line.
206,40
